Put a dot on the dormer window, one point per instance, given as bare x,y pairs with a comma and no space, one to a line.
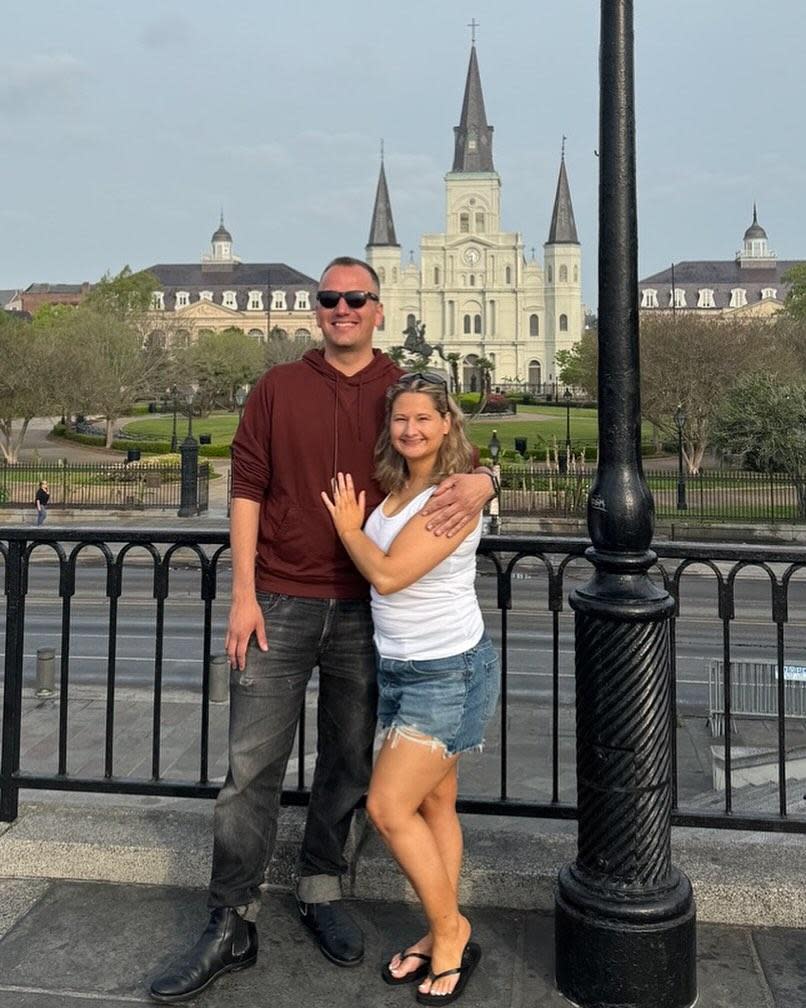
158,301
205,295
649,298
182,299
769,293
255,302
677,298
738,297
228,300
278,301
302,301
705,298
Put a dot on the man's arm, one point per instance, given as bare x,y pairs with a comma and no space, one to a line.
457,500
245,615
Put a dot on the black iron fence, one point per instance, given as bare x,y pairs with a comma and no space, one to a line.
124,486
54,579
709,495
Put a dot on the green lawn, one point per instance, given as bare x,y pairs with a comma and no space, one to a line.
540,425
221,427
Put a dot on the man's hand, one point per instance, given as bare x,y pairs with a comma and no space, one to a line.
346,510
245,619
456,501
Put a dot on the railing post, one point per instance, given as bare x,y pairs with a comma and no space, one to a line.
12,697
624,916
189,499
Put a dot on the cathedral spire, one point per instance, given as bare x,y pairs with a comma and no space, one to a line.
382,228
563,230
473,150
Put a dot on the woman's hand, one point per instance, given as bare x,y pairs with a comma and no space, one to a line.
345,509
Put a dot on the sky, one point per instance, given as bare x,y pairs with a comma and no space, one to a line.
126,128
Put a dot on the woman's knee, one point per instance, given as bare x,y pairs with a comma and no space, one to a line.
384,811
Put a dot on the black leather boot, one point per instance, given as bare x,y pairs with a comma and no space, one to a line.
339,937
229,943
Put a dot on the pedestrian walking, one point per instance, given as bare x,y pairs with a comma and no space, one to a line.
41,502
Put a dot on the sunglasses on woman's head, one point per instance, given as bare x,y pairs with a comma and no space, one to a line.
427,376
353,299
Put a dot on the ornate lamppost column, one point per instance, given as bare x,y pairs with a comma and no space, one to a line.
189,452
624,915
680,423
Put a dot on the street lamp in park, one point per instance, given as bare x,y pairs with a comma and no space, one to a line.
567,396
495,450
680,423
189,452
624,921
173,391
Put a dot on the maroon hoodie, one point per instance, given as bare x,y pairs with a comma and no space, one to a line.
302,423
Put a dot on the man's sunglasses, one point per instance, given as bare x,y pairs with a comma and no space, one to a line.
353,299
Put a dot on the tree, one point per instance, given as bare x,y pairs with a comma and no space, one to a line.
693,361
221,362
579,366
764,420
795,303
281,348
28,379
125,296
453,362
113,369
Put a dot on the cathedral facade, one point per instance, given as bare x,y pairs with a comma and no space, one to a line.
474,289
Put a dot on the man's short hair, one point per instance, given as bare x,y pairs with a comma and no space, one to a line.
350,261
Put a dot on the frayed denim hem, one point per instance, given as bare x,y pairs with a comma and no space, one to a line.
393,733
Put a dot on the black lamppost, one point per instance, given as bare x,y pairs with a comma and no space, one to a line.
173,391
495,450
189,452
624,915
680,423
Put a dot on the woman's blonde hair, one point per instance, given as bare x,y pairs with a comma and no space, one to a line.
455,452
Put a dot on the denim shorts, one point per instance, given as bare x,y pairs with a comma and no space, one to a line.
444,701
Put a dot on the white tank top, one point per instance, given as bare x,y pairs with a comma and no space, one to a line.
438,615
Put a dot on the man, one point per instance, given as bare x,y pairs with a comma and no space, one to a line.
298,602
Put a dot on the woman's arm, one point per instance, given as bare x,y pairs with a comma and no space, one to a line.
413,552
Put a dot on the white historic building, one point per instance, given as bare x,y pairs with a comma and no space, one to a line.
751,285
474,289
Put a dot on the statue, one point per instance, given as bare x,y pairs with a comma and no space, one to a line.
415,339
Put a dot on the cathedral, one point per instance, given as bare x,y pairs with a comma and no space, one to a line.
474,290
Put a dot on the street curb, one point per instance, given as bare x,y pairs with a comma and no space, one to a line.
742,878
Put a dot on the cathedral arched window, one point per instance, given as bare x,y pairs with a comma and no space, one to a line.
472,280
508,274
534,325
464,222
477,324
576,274
563,323
480,223
436,275
563,274
535,375
466,326
550,274
382,274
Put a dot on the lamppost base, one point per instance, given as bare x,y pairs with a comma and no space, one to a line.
617,953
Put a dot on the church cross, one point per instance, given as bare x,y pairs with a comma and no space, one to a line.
474,24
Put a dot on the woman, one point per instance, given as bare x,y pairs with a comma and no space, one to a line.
41,502
438,673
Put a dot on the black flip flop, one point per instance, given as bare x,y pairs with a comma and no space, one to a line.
470,960
417,974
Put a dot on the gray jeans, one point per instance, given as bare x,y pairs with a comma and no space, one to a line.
265,703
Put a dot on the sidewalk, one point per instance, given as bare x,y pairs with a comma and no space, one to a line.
95,944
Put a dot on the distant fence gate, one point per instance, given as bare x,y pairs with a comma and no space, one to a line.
119,486
754,691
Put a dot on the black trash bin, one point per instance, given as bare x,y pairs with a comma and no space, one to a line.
205,438
520,445
152,407
133,455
